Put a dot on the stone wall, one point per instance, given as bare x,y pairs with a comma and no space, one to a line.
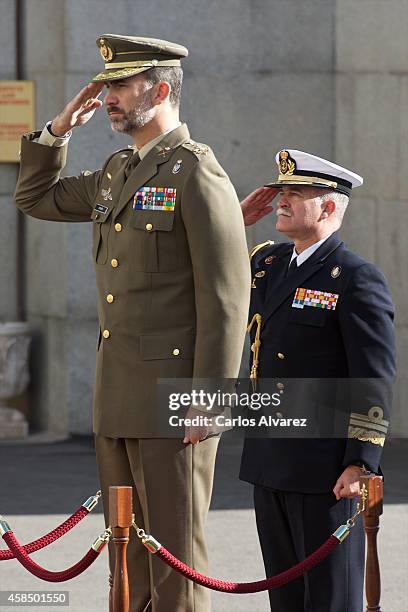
371,136
324,76
8,174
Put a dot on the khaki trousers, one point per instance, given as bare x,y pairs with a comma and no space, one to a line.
172,486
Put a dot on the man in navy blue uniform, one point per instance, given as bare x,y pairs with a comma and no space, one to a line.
318,310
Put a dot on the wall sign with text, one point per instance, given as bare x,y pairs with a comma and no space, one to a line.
16,116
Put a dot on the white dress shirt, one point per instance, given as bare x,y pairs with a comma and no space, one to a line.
304,255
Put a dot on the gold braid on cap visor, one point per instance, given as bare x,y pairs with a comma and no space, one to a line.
305,180
141,64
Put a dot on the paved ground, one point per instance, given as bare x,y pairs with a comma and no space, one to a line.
41,483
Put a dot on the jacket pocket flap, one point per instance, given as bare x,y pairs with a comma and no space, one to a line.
309,316
151,220
174,346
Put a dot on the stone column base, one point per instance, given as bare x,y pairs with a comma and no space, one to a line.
13,425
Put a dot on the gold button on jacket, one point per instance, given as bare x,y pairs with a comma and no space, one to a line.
118,227
183,284
106,333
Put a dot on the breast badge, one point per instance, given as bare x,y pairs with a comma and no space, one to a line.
177,166
335,272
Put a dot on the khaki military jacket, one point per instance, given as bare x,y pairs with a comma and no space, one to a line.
172,274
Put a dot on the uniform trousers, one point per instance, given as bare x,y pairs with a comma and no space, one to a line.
172,486
293,525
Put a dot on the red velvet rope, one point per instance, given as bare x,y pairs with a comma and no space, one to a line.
50,537
251,587
30,565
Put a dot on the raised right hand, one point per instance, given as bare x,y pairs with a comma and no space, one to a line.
258,204
79,110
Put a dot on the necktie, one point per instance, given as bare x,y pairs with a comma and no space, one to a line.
132,163
293,267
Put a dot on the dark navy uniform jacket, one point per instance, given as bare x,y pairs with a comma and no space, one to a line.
354,340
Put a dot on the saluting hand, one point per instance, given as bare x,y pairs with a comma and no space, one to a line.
79,110
258,204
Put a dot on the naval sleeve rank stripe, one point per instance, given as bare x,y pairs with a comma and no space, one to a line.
369,427
379,428
155,198
369,419
315,299
366,435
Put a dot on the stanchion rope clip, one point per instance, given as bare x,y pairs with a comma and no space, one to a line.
102,540
148,540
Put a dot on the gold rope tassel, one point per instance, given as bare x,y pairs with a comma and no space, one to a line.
255,346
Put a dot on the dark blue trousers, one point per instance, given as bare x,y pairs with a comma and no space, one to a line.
293,525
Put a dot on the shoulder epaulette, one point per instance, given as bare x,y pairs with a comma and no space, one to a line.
196,147
120,153
258,247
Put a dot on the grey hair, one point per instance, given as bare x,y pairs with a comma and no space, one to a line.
340,199
173,75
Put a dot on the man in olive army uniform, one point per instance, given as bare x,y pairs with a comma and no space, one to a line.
166,227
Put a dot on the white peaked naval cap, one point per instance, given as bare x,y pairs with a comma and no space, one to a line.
301,168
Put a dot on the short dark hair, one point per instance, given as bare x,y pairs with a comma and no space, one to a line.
173,75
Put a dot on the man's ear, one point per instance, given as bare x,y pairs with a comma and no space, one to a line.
328,208
162,92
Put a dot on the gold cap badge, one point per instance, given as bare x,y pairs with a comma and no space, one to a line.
105,50
287,165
